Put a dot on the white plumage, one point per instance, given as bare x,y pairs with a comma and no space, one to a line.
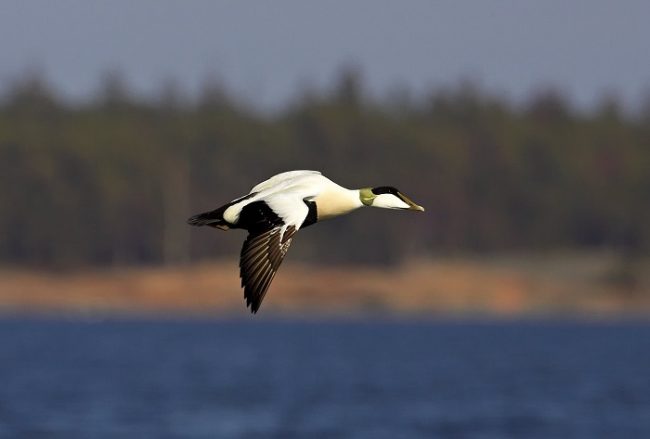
277,208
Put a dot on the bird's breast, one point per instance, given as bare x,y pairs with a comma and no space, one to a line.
332,203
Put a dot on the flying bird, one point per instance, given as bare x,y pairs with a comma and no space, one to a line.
277,208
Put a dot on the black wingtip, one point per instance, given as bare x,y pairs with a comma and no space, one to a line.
252,305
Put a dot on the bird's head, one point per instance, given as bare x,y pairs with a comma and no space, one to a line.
387,197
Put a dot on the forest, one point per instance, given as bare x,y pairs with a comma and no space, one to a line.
111,181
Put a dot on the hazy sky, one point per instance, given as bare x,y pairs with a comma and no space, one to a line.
268,50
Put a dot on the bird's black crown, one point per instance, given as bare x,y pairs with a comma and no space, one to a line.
384,190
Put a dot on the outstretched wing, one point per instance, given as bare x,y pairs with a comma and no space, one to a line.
261,257
271,223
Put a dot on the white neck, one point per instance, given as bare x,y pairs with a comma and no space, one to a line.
336,200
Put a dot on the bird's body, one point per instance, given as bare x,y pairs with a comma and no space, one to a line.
277,208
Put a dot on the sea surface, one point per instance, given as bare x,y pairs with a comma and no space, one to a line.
255,378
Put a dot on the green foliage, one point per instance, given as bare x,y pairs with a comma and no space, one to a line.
112,182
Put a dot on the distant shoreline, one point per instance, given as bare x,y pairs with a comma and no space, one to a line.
579,285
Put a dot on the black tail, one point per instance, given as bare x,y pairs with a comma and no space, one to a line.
214,218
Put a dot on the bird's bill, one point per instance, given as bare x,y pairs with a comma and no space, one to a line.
411,203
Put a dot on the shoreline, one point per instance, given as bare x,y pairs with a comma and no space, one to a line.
496,287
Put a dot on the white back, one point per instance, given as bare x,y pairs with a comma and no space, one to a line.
279,178
284,193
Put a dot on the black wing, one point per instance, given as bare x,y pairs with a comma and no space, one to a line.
261,256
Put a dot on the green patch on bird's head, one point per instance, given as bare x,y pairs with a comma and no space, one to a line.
367,196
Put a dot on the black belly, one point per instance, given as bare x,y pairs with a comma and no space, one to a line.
312,216
258,217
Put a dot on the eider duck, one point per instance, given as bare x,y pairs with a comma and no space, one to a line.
277,208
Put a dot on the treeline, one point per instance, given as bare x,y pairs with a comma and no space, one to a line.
112,181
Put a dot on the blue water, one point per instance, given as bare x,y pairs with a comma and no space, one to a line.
253,378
